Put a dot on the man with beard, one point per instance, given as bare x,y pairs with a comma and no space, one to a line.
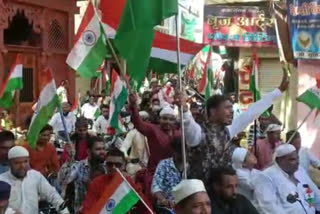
101,124
285,187
224,196
6,143
213,139
27,185
69,118
82,172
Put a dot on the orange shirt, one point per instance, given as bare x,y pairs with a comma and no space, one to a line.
44,160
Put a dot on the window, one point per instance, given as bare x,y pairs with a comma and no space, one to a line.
26,94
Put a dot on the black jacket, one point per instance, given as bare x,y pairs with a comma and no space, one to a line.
240,205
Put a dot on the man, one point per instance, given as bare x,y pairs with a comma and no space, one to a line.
82,172
243,162
44,157
235,106
6,143
139,149
213,140
6,121
62,91
306,158
224,196
284,187
191,198
89,109
115,160
265,147
69,118
168,174
102,123
159,137
4,199
28,185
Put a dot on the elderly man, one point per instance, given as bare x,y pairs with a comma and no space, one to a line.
139,150
212,140
284,187
28,185
191,198
69,118
266,147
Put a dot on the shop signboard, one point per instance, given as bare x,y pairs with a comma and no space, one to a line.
304,19
239,26
245,95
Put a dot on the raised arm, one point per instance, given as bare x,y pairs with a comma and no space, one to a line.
256,109
147,129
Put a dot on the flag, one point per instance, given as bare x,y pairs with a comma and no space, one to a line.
135,33
47,103
90,48
118,198
119,96
206,81
253,78
13,82
311,97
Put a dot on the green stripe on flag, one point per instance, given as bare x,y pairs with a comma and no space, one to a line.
126,203
41,119
310,99
14,84
6,100
119,102
93,60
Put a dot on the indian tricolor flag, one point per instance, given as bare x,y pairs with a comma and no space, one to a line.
206,82
311,97
119,197
13,82
47,103
119,96
90,49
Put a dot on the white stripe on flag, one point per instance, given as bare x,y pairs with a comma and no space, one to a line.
117,196
170,56
17,72
47,94
81,49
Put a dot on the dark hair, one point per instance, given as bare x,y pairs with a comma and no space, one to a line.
46,128
194,105
176,144
92,140
291,133
6,136
81,121
104,106
214,102
216,174
115,152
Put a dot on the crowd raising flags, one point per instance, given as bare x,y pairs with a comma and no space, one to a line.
13,82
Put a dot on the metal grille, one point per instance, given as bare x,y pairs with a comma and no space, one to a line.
26,94
57,36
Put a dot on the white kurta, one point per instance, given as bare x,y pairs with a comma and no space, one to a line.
245,182
307,159
57,124
88,110
100,125
273,186
25,193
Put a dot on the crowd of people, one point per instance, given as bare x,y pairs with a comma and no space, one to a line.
73,163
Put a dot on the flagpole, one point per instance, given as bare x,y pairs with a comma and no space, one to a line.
181,91
144,203
303,121
254,100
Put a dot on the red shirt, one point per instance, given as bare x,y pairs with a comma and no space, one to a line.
158,141
45,160
81,152
96,190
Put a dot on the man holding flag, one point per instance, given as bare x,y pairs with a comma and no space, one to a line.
114,192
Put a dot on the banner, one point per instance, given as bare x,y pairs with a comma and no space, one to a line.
304,17
245,95
239,26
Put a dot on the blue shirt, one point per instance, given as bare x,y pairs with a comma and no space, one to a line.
4,168
166,177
